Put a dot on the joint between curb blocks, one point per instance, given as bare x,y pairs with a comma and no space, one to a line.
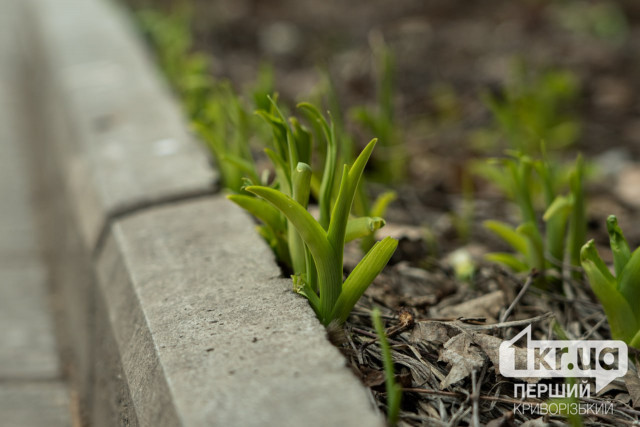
144,206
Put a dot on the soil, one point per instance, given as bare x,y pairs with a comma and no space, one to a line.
444,331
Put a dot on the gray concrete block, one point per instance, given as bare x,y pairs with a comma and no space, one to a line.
209,334
34,404
126,143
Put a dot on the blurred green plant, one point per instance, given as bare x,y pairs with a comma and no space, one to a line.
523,180
186,70
604,20
534,107
217,113
394,390
225,126
390,163
573,417
619,294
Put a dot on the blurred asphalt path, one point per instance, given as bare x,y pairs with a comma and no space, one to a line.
32,389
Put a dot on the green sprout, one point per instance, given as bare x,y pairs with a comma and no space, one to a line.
217,113
534,107
522,179
394,390
390,164
362,204
224,125
186,70
321,283
315,247
619,293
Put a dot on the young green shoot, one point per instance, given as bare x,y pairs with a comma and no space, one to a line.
534,107
557,244
618,293
390,164
321,281
394,390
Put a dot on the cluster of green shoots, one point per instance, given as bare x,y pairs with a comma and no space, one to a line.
550,237
534,107
619,293
311,248
558,243
315,247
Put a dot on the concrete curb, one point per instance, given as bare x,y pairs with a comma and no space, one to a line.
172,311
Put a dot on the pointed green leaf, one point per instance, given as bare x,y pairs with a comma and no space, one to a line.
262,210
329,170
508,234
243,166
363,226
303,140
301,181
561,205
621,318
342,207
629,281
328,264
619,245
362,276
510,260
282,171
314,114
535,248
578,220
279,131
556,218
382,203
635,341
394,391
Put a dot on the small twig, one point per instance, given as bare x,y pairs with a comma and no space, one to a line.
512,324
592,330
475,393
529,281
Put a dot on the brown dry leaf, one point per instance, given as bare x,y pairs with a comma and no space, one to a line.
632,380
371,377
487,306
430,331
491,345
463,358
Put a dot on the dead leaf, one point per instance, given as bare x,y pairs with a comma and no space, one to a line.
430,331
371,377
632,380
491,345
463,358
487,306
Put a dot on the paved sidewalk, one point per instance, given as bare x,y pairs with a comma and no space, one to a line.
32,391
